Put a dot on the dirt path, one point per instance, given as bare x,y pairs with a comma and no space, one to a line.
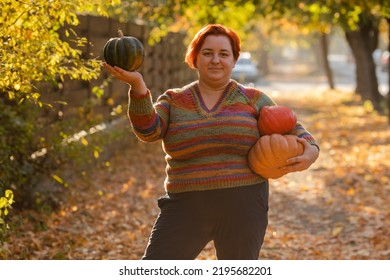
339,209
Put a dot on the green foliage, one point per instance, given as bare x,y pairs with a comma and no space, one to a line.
321,15
239,16
190,15
34,152
39,49
32,50
157,15
17,140
186,16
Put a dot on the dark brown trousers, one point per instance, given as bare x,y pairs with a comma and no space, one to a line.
235,219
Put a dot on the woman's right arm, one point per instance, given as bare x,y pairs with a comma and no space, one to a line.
149,121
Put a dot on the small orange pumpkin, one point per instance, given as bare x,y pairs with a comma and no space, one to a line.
270,153
276,119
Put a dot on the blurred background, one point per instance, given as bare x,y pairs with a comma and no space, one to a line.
63,119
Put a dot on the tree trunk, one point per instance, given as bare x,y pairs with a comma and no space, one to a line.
363,42
324,58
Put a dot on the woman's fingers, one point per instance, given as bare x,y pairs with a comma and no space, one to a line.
132,78
120,73
304,161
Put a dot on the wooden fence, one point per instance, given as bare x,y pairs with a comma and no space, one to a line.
163,68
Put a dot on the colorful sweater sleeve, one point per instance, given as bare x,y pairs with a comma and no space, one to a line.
149,121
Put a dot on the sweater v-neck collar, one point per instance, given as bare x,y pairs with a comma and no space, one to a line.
202,104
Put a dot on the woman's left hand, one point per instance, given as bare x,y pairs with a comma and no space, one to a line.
303,162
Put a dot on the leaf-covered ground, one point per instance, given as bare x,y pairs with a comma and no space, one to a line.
338,209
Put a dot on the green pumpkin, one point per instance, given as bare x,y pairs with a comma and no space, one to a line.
125,52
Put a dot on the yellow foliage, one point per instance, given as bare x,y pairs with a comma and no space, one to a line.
31,50
5,203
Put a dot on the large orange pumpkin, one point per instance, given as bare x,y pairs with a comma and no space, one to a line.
270,153
276,119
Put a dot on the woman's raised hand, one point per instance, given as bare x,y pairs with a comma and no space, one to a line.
134,79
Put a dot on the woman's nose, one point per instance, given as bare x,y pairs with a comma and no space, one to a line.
215,58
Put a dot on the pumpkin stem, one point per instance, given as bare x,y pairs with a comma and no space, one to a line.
120,33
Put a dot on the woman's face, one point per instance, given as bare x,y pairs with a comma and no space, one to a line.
215,59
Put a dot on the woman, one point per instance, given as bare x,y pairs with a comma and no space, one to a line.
207,129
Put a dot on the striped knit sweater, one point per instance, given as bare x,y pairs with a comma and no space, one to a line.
205,149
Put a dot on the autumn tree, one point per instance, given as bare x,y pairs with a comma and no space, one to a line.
32,57
186,16
358,19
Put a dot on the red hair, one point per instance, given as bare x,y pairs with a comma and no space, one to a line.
211,29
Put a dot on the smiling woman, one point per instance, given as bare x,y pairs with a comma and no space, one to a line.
207,129
214,63
217,30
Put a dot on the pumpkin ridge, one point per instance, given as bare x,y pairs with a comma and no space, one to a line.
139,55
265,151
269,154
109,51
127,49
118,54
276,144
